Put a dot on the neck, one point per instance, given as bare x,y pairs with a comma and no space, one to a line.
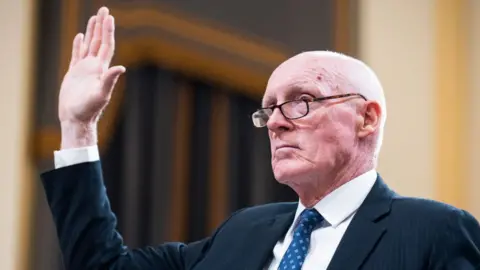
318,187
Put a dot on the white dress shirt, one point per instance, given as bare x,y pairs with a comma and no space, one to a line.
69,157
338,209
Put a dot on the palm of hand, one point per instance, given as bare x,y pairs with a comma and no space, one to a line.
87,86
81,96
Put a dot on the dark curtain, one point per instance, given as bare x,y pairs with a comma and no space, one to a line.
137,164
140,165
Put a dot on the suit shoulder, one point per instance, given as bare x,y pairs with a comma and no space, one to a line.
422,206
428,208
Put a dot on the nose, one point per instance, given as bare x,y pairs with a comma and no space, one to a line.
277,122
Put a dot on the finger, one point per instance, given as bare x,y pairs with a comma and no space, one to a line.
97,32
111,77
88,36
76,48
107,47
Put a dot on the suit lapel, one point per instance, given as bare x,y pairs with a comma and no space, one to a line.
365,230
264,234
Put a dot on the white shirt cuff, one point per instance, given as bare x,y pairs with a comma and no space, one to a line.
69,157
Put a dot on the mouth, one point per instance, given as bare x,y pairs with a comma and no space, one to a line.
286,146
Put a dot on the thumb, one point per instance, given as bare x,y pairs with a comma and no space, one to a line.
111,77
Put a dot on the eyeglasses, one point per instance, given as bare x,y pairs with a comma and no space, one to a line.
292,109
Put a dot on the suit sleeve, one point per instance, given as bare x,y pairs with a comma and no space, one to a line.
86,226
458,245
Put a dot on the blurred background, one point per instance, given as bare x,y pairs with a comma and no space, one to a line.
178,149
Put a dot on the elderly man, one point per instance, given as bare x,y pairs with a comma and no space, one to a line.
325,114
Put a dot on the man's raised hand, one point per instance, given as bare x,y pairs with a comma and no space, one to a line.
87,86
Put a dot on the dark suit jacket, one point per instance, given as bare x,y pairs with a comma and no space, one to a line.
388,232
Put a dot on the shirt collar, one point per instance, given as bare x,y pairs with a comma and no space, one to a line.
341,203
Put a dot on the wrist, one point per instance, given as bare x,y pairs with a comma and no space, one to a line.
77,134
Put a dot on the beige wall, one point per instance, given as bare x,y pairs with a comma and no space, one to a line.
421,51
15,55
396,40
474,47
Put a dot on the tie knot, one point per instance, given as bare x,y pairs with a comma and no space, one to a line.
310,218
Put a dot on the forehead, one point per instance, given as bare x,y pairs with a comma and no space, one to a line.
291,79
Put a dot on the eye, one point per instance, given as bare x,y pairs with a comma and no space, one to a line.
306,97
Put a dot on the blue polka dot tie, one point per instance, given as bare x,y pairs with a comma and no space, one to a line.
298,249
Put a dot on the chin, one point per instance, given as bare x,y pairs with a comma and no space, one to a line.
287,171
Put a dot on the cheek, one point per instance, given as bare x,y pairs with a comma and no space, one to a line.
320,144
335,134
320,137
329,135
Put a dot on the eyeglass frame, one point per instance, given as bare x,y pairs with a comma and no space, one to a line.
318,99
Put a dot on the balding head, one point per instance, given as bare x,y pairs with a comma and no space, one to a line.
333,73
337,134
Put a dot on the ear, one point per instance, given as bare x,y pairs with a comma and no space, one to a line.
370,119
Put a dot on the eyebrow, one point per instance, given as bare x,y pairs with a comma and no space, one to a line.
292,91
297,90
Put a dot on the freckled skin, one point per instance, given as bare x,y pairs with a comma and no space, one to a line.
333,143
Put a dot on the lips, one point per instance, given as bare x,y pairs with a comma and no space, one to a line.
285,146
